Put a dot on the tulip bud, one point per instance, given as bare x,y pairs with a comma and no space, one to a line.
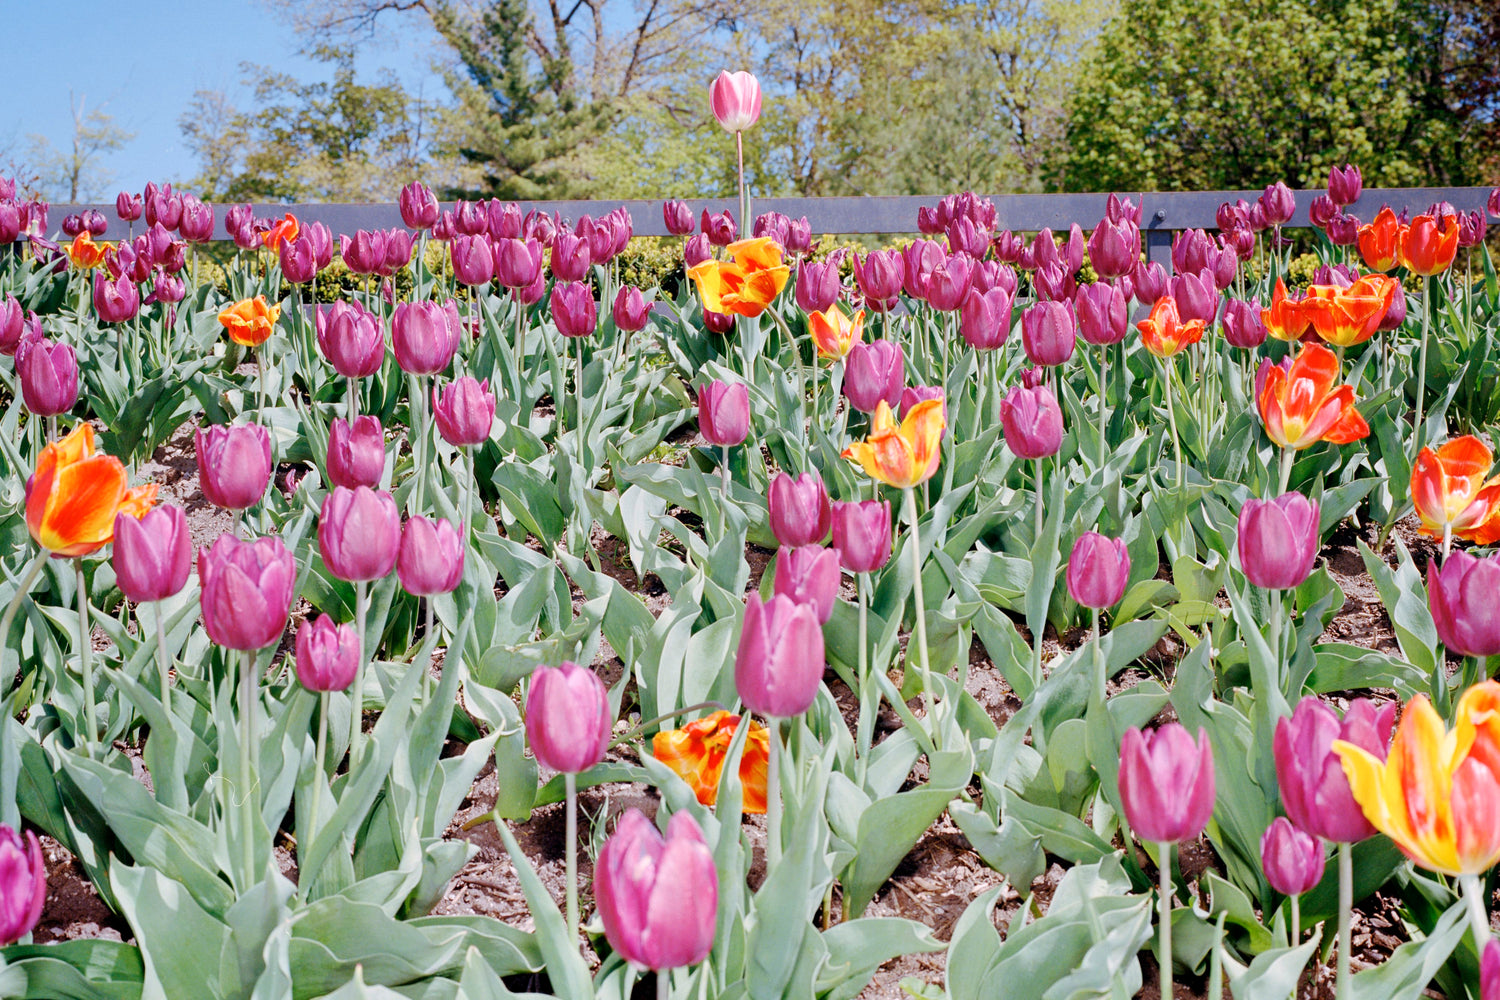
1471,229
779,664
568,720
719,323
359,531
735,100
801,513
470,218
1278,540
49,377
1343,230
1098,569
430,559
152,555
473,263
23,884
1396,314
873,372
1048,333
128,206
1278,203
571,257
573,309
719,228
862,534
880,276
818,286
299,263
328,655
724,413
1291,859
1150,281
419,206
445,228
72,225
1196,295
1314,789
965,237
1166,783
1032,421
115,300
657,898
356,456
464,410
809,575
234,464
914,394
12,325
1256,219
1242,324
1345,185
631,311
984,320
517,262
773,225
246,590
799,238
424,336
1103,314
1053,284
677,217
350,338
197,222
696,250
398,247
1461,596
1114,248
949,283
1322,211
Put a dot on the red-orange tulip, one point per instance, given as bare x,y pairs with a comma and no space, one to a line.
250,321
72,499
284,231
1164,333
1448,488
745,284
85,253
696,753
1348,316
1285,319
1429,245
1301,407
1380,241
905,454
835,333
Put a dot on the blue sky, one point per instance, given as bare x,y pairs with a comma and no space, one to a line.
143,59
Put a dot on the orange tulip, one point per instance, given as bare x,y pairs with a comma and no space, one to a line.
1285,320
1448,488
906,454
250,321
834,332
1438,793
1380,241
1301,407
745,284
1164,333
1429,245
1348,316
72,499
286,230
696,753
85,253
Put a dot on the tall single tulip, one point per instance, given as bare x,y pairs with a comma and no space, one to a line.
247,590
568,721
1292,860
862,534
1098,569
631,311
984,320
234,464
1032,421
419,206
356,453
724,413
1345,185
328,654
359,533
1049,333
115,299
424,336
1278,540
1429,244
350,337
430,559
153,554
874,373
657,897
801,513
779,664
1103,317
818,286
573,309
49,377
1166,783
735,98
1242,324
1380,241
464,410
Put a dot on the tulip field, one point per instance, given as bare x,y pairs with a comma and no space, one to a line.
440,612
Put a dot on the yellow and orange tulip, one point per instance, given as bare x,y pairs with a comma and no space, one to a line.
1438,794
903,454
834,332
1301,406
1429,244
1380,241
696,753
85,253
1285,319
1448,488
1164,333
747,283
284,231
1348,316
75,493
250,321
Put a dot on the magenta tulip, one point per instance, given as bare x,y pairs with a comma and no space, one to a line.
115,300
1291,858
1166,783
247,590
984,320
1102,313
1242,324
1114,248
1461,596
873,372
724,413
677,217
23,885
801,513
1345,184
328,654
568,720
631,311
1278,540
473,262
49,377
299,264
359,532
735,99
1032,421
862,534
464,410
430,559
809,574
234,464
517,262
1197,296
818,286
1278,203
356,455
573,308
657,897
779,664
1314,790
1098,569
571,256
424,336
419,206
880,276
719,228
1049,333
350,337
152,555
128,206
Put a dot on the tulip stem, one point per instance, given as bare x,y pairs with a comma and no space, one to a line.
1422,362
352,398
163,662
248,804
570,854
1288,459
1447,538
1172,419
1296,921
358,693
1479,918
1346,930
85,651
28,580
928,709
1103,405
1164,956
418,442
663,984
321,760
865,726
1040,514
724,470
773,796
1101,676
739,148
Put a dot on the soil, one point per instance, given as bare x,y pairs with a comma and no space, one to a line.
933,884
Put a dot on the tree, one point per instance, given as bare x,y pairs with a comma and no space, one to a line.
76,173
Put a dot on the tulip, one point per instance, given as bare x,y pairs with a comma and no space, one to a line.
321,240
153,554
419,206
517,262
745,284
1032,421
1166,783
568,721
470,218
359,532
1008,247
696,250
1190,251
1396,314
573,308
772,224
906,454
247,590
991,274
10,222
128,206
984,320
1049,333
799,236
918,260
874,373
350,337
1489,964
735,99
1285,319
1098,569
779,664
1314,790
115,300
818,286
717,322
1197,295
285,229
1343,230
1345,185
1164,333
85,253
424,336
356,456
1348,316
1322,211
1492,203
1053,284
1242,325
1103,316
914,394
505,221
862,534
1278,203
719,227
1471,229
1114,248
879,277
696,753
74,494
234,464
196,222
13,325
23,885
1150,281
809,575
464,410
1451,494
1429,245
967,238
473,263
446,227
250,321
328,655
800,510
430,559
1380,241
677,217
1300,405
834,333
1278,540
724,413
949,283
631,310
398,247
49,377
1292,860
1461,596
299,263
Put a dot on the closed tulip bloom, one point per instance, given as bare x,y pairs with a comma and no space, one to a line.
1114,248
1380,241
196,220
1196,294
398,248
1190,251
299,264
74,494
735,99
1345,185
517,262
1049,333
1278,203
799,238
424,336
772,224
717,322
505,220
1032,421
234,464
128,206
115,300
23,885
1343,230
1098,569
152,555
1429,244
1278,540
568,720
1471,229
1314,790
809,574
446,227
657,896
1449,490
1053,284
1242,325
801,513
470,218
49,377
246,590
419,206
1292,860
818,286
464,410
874,373
1461,596
631,310
1489,965
1150,280
834,332
696,250
1438,794
350,337
359,533
862,534
1166,783
949,283
918,260
779,664
473,263
879,276
328,654
13,325
1164,333
1300,405
696,753
906,454
677,217
991,274
967,238
719,227
250,322
724,413
430,559
1321,211
984,320
1103,316
1008,247
573,308
356,455
747,283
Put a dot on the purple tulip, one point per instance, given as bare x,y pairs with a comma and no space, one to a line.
299,263
1242,241
1322,211
115,300
321,240
359,531
949,283
818,286
568,720
1278,540
505,220
1462,597
600,237
879,276
862,534
1053,284
445,228
1197,296
197,221
153,555
1345,185
1291,858
1118,210
470,218
719,227
1048,333
1471,229
164,209
724,413
23,885
234,464
657,897
10,222
350,337
719,323
571,257
1314,790
464,410
984,320
1098,569
49,377
13,325
424,336
873,372
364,253
473,263
677,217
1007,247
779,664
1277,203
914,394
1242,324
1150,281
631,311
356,455
328,655
517,262
1396,314
801,513
128,206
799,239
398,247
573,308
1032,421
1166,783
991,274
772,224
1103,314
809,575
430,559
419,206
1114,248
696,250
965,237
247,590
